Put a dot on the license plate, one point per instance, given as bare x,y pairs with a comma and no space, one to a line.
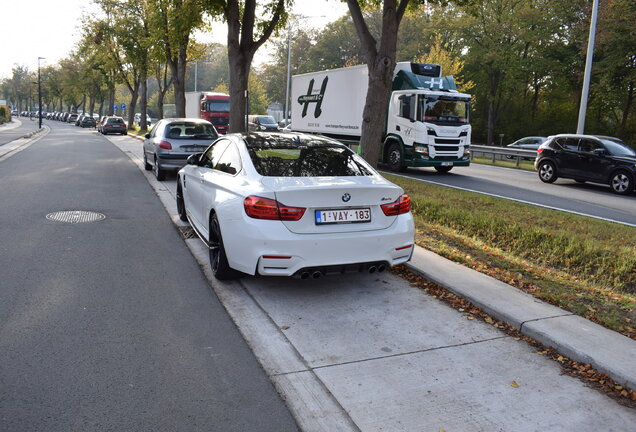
446,164
343,216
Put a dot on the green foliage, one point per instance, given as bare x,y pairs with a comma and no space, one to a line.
5,114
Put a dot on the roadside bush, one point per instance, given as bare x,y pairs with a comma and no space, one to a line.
4,114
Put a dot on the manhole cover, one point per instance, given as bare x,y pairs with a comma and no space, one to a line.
75,216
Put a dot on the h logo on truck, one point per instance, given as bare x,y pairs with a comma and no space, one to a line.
308,98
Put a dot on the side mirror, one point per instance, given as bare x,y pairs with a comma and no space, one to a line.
147,136
194,159
600,152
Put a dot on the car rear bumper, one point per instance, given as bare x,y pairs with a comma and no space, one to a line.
173,161
270,249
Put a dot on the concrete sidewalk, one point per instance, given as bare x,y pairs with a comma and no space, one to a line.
573,336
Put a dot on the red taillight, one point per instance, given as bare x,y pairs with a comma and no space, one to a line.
400,206
266,208
539,150
165,145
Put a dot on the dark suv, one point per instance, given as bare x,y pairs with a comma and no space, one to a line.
598,159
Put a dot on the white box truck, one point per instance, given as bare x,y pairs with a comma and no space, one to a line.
427,119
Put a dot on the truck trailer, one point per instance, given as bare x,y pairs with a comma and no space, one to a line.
428,120
211,106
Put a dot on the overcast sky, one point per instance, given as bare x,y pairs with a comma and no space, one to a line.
49,28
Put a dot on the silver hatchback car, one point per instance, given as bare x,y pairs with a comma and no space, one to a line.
171,141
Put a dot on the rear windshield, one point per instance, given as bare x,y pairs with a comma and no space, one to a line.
190,130
115,120
278,156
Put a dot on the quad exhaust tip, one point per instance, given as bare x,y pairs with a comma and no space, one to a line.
319,273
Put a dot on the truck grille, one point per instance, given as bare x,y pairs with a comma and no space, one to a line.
446,149
446,141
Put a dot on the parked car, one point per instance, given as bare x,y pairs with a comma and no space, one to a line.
298,205
87,121
71,118
114,124
137,120
262,123
171,141
598,159
527,143
100,122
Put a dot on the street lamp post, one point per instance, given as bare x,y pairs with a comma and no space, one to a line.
39,95
588,70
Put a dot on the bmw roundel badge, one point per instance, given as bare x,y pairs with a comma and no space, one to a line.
346,197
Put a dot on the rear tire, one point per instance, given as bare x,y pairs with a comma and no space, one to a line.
394,157
160,173
443,169
547,172
181,203
147,166
621,183
218,260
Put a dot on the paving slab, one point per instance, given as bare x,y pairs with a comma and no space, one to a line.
588,342
497,385
360,316
496,298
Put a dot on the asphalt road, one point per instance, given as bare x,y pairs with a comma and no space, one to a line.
111,325
588,199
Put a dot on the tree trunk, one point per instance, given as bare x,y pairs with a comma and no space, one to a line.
143,102
374,119
238,85
380,59
133,104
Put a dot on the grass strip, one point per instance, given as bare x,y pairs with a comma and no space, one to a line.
584,265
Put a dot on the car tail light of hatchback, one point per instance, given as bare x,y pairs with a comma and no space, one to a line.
265,208
539,150
165,145
399,206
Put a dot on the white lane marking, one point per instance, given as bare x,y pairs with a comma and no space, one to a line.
514,199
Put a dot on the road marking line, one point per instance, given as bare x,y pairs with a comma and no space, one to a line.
514,199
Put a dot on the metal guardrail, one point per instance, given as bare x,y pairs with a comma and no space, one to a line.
502,152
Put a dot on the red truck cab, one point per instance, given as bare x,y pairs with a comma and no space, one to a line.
215,108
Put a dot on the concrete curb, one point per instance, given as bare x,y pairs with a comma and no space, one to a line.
573,336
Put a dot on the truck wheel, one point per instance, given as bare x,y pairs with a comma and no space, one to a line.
443,169
394,158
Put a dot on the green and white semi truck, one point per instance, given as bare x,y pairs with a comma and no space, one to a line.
428,120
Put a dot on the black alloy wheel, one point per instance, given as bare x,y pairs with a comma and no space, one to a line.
181,204
218,260
547,172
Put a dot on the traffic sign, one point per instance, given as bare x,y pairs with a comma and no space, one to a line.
123,107
115,107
